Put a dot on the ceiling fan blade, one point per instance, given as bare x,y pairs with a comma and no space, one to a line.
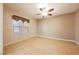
50,10
50,14
41,9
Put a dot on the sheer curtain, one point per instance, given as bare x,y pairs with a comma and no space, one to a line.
25,27
20,27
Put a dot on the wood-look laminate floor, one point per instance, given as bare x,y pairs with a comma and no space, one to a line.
42,46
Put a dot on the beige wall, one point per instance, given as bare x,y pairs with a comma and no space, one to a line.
62,26
1,28
8,38
77,26
57,27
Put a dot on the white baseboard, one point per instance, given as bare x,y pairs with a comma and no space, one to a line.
18,41
58,39
76,42
43,37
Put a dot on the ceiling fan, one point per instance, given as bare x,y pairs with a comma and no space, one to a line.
45,12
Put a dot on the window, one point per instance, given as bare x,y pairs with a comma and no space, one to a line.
16,26
20,25
25,27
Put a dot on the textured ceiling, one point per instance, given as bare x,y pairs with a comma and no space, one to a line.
31,9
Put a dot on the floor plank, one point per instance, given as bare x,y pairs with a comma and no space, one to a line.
42,46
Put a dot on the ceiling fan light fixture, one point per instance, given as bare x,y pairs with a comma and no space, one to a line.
44,13
45,10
